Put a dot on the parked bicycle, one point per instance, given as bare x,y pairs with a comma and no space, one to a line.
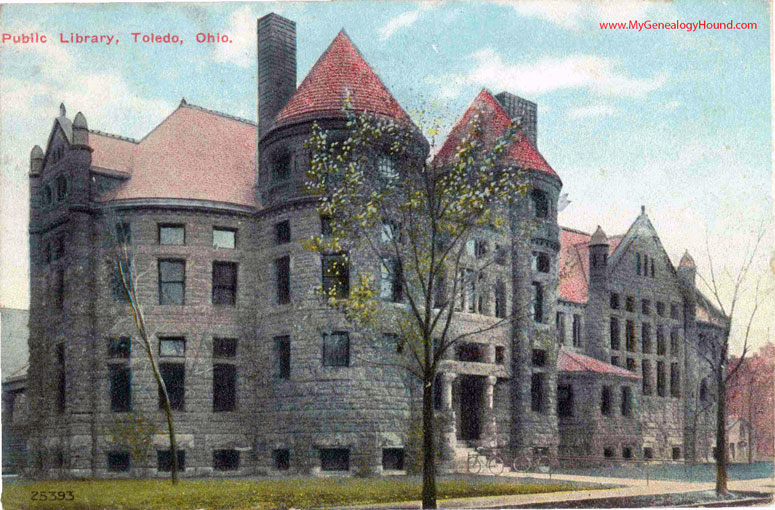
530,462
488,457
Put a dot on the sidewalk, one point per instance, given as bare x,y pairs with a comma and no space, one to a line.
629,487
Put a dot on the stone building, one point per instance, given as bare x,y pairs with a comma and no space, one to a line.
214,207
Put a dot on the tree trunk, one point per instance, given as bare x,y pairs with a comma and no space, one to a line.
170,424
721,434
429,447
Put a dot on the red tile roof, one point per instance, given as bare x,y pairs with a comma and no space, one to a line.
340,72
574,263
574,362
193,154
494,122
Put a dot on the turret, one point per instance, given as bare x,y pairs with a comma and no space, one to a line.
80,130
36,161
598,257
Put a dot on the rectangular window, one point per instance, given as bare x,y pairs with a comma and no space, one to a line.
225,460
540,203
172,346
118,462
164,460
281,165
174,377
661,388
325,226
500,299
336,275
646,372
119,347
537,393
631,365
336,349
560,319
629,304
676,453
675,347
120,388
390,288
576,330
224,283
648,452
660,341
224,388
468,290
614,332
334,459
59,289
660,308
59,247
283,349
626,401
391,231
615,361
608,452
61,401
500,354
500,255
224,238
630,336
541,262
282,270
564,400
605,401
172,282
637,264
172,234
646,334
626,452
481,248
282,232
652,268
392,459
224,347
538,302
117,292
675,380
469,352
674,313
123,234
539,358
645,306
282,459
614,301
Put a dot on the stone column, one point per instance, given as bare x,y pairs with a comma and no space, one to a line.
446,429
489,429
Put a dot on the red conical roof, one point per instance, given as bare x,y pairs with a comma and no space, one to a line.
340,72
494,122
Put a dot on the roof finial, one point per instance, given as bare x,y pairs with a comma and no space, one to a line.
183,102
643,209
62,110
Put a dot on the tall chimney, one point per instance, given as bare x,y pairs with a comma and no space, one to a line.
276,67
519,108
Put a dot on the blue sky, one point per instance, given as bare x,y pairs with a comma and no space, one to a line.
677,121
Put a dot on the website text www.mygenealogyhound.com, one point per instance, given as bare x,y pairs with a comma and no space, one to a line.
688,26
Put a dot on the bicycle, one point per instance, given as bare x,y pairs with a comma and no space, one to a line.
492,459
531,462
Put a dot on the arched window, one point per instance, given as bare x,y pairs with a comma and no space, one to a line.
540,203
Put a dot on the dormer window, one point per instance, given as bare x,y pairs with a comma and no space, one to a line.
281,165
540,203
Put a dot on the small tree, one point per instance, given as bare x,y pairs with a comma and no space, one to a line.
412,219
133,432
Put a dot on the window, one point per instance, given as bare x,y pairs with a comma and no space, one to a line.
540,203
467,290
391,231
224,283
564,400
46,252
645,330
539,358
174,377
676,453
675,347
172,282
630,304
704,391
615,334
614,301
336,275
224,238
61,380
605,401
626,401
674,311
225,460
630,336
500,354
660,308
661,378
119,347
334,459
675,380
500,299
224,347
437,396
172,234
648,452
538,302
541,262
281,165
47,195
480,248
637,263
224,388
560,319
615,361
576,330
325,226
631,365
645,306
282,459
117,292
392,459
608,452
336,349
627,452
537,393
283,349
470,247
172,346
386,168
120,378
282,232
390,288
118,462
124,234
652,268
660,341
469,352
61,188
646,372
59,289
500,255
164,460
282,269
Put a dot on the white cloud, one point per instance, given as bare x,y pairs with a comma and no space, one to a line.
404,20
672,105
576,15
593,110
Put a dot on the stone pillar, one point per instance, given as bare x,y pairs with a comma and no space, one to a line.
446,429
490,429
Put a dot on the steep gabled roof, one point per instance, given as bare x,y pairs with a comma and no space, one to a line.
574,362
339,73
494,122
574,263
194,154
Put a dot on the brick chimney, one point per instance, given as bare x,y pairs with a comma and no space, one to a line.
276,67
522,109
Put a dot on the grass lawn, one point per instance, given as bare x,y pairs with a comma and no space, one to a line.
255,494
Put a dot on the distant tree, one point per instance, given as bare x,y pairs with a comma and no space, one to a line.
416,218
